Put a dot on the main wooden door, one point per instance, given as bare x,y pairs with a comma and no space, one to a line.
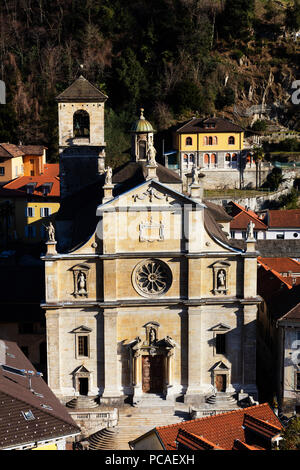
153,374
221,382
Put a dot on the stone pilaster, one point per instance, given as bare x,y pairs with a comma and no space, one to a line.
111,392
249,349
53,351
194,354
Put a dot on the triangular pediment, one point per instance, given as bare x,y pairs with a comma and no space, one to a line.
219,366
82,329
220,327
149,193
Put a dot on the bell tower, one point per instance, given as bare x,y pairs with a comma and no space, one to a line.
81,135
142,138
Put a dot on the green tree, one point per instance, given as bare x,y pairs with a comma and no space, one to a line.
293,16
186,96
274,179
237,19
258,155
291,436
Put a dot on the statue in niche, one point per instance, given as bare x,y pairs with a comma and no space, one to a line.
51,232
221,279
108,178
152,336
81,283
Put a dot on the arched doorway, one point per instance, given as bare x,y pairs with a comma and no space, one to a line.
81,124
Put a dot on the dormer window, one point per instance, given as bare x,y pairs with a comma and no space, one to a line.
30,188
47,188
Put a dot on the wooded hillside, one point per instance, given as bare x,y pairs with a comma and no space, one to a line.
175,58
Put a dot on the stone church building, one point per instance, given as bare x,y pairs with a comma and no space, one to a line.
145,296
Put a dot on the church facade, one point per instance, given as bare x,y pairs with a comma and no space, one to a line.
152,300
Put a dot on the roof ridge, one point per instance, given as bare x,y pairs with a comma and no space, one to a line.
262,421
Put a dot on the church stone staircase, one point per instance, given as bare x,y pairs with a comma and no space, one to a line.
133,422
220,398
82,402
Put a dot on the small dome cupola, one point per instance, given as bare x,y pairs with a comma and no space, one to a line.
142,135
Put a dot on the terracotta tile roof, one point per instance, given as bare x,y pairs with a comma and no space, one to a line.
33,150
198,126
82,90
51,169
283,267
194,442
10,151
261,426
292,315
284,219
242,217
221,430
285,280
239,445
49,418
19,186
241,221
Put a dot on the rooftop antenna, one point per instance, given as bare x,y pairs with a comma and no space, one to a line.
30,374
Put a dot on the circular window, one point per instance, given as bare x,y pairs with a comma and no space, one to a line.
152,278
296,235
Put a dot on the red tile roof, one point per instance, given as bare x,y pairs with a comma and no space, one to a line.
222,430
281,266
194,442
51,169
242,217
284,219
285,280
19,186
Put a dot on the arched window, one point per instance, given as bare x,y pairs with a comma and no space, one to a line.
227,157
213,159
210,141
205,140
206,159
81,124
234,157
215,140
188,141
142,149
231,140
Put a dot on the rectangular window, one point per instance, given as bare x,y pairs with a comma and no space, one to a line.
220,344
280,236
2,170
83,349
29,211
30,231
45,211
232,234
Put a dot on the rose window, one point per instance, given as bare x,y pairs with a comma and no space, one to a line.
152,277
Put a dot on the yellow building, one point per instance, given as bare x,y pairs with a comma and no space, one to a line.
210,144
27,204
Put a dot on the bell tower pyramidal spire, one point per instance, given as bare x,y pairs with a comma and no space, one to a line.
81,135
